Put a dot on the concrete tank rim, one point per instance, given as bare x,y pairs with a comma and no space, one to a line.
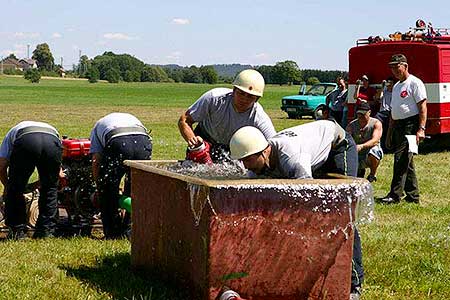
152,167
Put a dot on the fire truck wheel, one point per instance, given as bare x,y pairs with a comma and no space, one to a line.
33,213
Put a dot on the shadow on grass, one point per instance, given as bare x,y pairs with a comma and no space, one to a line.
113,275
440,143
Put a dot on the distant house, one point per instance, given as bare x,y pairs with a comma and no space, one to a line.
10,63
28,63
24,64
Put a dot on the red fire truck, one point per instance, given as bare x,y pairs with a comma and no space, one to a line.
428,53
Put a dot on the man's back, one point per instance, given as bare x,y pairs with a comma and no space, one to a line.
304,148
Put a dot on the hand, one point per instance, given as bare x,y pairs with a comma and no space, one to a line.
195,141
420,135
62,173
359,148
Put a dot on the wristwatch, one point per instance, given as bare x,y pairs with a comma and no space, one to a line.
422,127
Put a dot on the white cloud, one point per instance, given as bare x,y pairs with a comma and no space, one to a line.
20,46
56,35
174,56
26,35
180,21
262,56
19,50
118,36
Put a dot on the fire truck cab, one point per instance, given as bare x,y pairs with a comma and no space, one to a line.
428,53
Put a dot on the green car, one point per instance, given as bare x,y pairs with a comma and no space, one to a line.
305,103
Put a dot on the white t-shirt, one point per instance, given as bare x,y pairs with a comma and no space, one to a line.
10,138
405,96
303,149
214,111
108,123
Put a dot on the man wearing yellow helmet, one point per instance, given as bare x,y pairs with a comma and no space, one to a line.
221,111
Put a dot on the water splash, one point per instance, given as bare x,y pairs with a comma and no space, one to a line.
223,171
199,196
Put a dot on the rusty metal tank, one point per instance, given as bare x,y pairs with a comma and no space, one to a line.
264,238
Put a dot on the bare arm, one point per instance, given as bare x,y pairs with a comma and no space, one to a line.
376,136
420,135
185,126
96,159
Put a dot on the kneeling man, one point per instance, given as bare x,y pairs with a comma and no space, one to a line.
367,132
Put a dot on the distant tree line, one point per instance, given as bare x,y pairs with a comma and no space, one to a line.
124,67
324,75
288,72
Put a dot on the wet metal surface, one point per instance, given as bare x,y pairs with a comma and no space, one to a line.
265,239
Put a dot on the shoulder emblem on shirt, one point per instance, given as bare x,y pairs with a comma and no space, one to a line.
404,94
288,133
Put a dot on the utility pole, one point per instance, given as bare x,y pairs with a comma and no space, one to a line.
28,51
62,60
80,66
1,66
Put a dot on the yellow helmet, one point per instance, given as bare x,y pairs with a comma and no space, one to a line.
246,141
250,81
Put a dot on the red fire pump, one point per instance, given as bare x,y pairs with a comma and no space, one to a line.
77,189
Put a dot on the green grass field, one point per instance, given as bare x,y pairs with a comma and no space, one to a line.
406,249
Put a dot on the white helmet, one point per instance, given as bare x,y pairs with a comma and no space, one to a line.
250,81
246,141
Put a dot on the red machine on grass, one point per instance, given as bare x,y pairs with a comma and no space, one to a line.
428,53
77,189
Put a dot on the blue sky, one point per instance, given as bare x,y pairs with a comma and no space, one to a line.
315,34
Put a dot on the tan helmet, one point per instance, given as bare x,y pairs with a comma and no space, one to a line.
250,81
246,141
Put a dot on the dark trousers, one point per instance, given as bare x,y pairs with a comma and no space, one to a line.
112,169
384,117
337,115
343,159
43,151
404,178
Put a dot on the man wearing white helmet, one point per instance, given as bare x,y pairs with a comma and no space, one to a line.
221,111
303,151
292,153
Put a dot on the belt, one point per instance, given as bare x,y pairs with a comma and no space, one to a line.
409,120
36,129
124,131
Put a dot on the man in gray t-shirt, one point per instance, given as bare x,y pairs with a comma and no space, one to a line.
221,111
292,153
